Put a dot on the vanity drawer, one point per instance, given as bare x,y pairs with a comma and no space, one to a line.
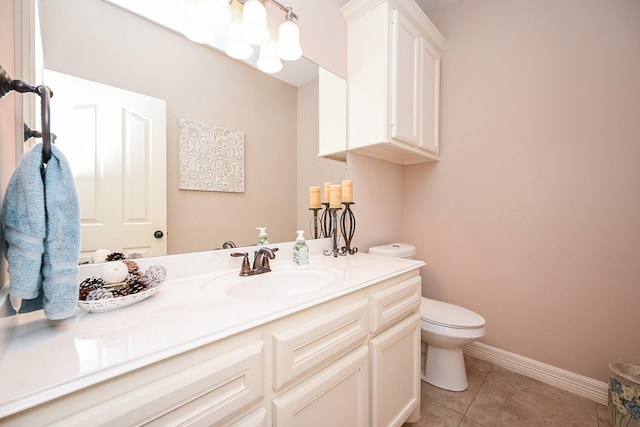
391,305
197,395
317,342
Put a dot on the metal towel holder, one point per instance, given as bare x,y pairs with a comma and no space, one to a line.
7,85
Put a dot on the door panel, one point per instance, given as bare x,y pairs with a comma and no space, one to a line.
115,141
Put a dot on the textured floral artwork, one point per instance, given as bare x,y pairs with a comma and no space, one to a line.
211,158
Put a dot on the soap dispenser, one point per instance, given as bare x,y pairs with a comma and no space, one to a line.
300,251
262,236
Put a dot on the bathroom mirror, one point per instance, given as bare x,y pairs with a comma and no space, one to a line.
100,42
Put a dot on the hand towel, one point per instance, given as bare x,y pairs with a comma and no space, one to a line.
41,216
62,241
24,219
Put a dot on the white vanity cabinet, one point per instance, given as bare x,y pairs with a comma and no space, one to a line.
202,387
350,361
394,353
393,81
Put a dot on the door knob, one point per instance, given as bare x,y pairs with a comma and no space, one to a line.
158,234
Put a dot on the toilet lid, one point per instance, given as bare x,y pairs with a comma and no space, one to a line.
449,315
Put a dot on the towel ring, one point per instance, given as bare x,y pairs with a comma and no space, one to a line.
7,85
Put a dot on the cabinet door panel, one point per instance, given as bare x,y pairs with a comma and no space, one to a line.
430,90
405,108
257,418
336,396
395,373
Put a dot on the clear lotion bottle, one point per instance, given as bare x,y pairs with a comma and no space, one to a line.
300,251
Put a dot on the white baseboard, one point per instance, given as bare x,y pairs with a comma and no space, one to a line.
565,380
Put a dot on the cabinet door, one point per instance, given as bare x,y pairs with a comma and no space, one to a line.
336,396
430,93
405,80
395,373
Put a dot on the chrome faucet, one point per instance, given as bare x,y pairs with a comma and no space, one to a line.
261,259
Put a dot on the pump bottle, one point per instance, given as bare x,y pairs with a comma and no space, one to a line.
300,251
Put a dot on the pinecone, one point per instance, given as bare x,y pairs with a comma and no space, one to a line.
88,285
137,287
122,292
131,265
99,294
137,278
134,255
115,256
155,274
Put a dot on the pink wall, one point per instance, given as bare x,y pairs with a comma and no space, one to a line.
532,216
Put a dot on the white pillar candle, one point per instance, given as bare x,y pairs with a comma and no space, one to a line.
314,197
327,192
336,196
347,191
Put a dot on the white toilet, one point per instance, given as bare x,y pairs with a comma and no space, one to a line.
446,328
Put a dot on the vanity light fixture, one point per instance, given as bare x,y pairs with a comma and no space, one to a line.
236,26
202,17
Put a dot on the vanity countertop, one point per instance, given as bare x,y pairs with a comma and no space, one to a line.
43,359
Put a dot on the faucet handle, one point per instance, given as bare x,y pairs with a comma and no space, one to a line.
245,270
264,262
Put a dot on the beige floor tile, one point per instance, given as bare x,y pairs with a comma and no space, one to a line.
509,399
459,401
433,414
466,422
603,413
497,397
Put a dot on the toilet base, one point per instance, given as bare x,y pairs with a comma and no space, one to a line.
444,368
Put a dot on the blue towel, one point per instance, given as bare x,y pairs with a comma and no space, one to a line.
42,230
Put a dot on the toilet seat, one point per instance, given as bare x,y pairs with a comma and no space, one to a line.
449,315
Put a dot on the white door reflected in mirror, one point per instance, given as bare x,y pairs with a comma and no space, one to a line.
115,141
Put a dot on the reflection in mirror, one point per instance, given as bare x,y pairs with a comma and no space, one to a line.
100,42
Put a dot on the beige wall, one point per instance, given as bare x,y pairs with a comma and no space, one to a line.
312,170
532,216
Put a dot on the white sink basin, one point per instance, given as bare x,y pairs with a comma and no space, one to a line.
281,282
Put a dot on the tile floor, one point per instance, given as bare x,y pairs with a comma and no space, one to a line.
497,397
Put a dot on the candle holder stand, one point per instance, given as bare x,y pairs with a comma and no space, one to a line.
333,213
348,229
325,221
315,232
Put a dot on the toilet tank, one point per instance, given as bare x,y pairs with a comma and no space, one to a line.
396,250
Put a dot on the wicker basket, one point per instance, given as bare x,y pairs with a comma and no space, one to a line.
110,304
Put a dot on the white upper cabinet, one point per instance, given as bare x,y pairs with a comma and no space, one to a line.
332,116
393,81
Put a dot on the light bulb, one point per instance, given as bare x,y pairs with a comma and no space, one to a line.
196,28
218,11
199,31
268,61
235,46
289,41
254,21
